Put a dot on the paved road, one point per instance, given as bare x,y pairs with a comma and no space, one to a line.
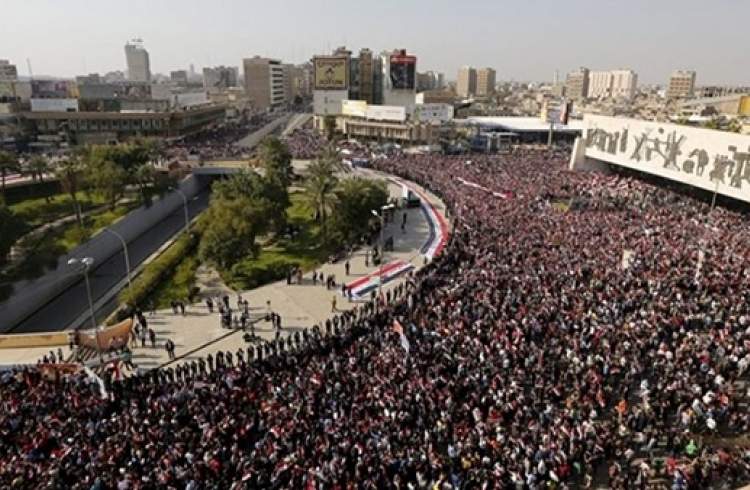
65,308
251,140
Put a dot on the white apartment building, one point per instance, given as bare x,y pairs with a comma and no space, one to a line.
612,84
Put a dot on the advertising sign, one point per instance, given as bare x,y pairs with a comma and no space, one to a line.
54,105
356,108
403,71
433,113
712,160
331,73
386,113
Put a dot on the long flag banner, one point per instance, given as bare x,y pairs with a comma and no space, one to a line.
438,227
390,271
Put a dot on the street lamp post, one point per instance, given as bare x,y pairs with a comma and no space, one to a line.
86,264
125,251
185,206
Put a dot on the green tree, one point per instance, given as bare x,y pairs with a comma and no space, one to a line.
70,174
268,189
8,165
355,199
232,226
146,178
10,226
277,160
107,179
36,167
319,186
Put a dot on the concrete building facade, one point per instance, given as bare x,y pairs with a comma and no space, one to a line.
139,64
466,83
180,77
612,84
220,77
577,84
264,82
394,95
681,85
8,71
485,82
366,76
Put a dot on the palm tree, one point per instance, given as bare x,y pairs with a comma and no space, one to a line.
319,186
70,174
331,155
37,166
8,165
145,175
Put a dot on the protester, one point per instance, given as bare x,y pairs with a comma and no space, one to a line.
577,330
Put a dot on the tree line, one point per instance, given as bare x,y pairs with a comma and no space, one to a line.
108,171
252,204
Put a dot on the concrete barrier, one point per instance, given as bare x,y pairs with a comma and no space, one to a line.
54,339
29,296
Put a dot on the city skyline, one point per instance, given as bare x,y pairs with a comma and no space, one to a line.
526,42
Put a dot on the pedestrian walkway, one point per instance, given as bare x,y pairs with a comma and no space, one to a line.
300,306
199,332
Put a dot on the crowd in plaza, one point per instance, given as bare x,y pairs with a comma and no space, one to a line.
578,329
305,144
219,143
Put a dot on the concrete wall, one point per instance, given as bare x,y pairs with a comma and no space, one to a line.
20,341
716,161
28,296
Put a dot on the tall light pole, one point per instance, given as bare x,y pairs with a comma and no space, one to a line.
185,206
86,263
125,251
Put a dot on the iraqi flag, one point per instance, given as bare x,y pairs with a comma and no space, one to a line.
399,329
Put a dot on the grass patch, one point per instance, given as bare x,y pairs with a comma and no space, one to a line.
180,286
169,276
37,212
283,253
43,251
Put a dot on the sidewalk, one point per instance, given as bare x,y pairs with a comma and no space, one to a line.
300,306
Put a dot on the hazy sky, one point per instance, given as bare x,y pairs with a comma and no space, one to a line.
521,39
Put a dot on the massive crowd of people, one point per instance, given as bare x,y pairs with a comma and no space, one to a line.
218,143
305,144
578,330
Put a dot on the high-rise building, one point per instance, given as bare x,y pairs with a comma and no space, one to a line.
681,84
399,79
289,75
466,83
264,82
139,66
220,77
366,76
8,72
429,80
615,83
577,84
485,82
624,84
600,84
